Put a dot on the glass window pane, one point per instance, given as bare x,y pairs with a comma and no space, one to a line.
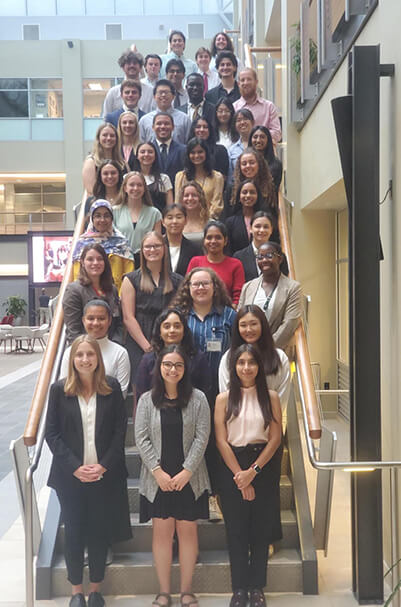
54,202
41,7
152,7
114,31
70,7
15,130
46,104
13,104
127,7
186,7
16,8
47,130
28,202
94,93
210,7
90,127
100,7
13,83
47,83
51,188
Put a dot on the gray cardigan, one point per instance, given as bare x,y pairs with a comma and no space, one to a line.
195,436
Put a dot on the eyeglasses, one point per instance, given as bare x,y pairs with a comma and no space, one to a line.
169,365
163,93
149,247
201,284
261,256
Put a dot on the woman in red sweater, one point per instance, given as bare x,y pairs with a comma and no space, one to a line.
230,270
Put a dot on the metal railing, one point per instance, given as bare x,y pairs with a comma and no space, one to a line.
34,432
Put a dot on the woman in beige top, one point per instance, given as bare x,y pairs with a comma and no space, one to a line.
198,167
248,436
192,198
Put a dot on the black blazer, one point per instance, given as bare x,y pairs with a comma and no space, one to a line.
175,159
208,111
248,259
64,435
188,250
220,160
237,234
113,117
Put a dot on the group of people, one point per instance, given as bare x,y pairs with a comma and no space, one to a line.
181,293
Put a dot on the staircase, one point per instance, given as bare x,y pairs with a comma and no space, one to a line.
132,570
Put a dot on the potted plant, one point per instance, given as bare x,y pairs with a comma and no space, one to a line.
15,306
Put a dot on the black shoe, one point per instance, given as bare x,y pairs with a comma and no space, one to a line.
239,598
95,599
257,598
77,600
109,556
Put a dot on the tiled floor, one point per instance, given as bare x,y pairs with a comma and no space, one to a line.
334,571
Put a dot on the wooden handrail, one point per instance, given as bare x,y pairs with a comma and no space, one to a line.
302,350
248,50
49,356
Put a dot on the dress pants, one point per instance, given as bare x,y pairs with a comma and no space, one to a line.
86,515
251,525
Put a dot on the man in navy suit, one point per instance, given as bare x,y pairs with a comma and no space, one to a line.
130,94
169,152
197,105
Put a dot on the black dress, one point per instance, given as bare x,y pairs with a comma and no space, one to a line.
148,306
180,505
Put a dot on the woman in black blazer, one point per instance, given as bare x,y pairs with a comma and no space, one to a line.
248,202
85,430
181,250
263,228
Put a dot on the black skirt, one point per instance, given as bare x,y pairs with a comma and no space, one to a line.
180,505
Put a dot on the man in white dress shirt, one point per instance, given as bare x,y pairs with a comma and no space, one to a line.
175,72
97,320
152,67
131,63
210,77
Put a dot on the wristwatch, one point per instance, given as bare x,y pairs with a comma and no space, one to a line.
257,468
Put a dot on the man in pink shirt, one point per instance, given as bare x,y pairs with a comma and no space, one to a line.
264,111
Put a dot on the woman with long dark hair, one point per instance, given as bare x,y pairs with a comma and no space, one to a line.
198,167
230,270
85,430
226,133
248,435
251,327
251,165
171,431
170,329
144,294
159,184
95,281
248,202
263,228
202,128
261,140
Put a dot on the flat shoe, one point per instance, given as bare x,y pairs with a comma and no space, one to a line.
157,603
193,602
77,600
257,598
239,598
95,599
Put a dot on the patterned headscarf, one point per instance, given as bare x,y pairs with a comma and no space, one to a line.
113,241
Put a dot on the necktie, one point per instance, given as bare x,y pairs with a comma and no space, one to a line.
196,112
205,83
177,101
163,154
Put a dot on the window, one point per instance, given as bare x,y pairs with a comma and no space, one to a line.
70,7
31,206
95,90
113,31
31,98
30,31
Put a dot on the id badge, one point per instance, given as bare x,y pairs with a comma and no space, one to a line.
214,345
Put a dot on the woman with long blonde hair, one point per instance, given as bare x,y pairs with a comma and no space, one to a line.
85,430
144,295
105,146
128,138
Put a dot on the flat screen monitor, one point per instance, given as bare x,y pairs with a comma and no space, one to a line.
47,256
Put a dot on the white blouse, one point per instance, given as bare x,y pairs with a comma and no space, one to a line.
88,414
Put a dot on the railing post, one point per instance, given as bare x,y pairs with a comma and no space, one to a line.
29,582
395,574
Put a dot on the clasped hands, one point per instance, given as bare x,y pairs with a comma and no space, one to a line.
243,480
89,473
172,483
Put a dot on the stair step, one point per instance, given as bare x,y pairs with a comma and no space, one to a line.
130,436
134,573
286,494
212,536
133,461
